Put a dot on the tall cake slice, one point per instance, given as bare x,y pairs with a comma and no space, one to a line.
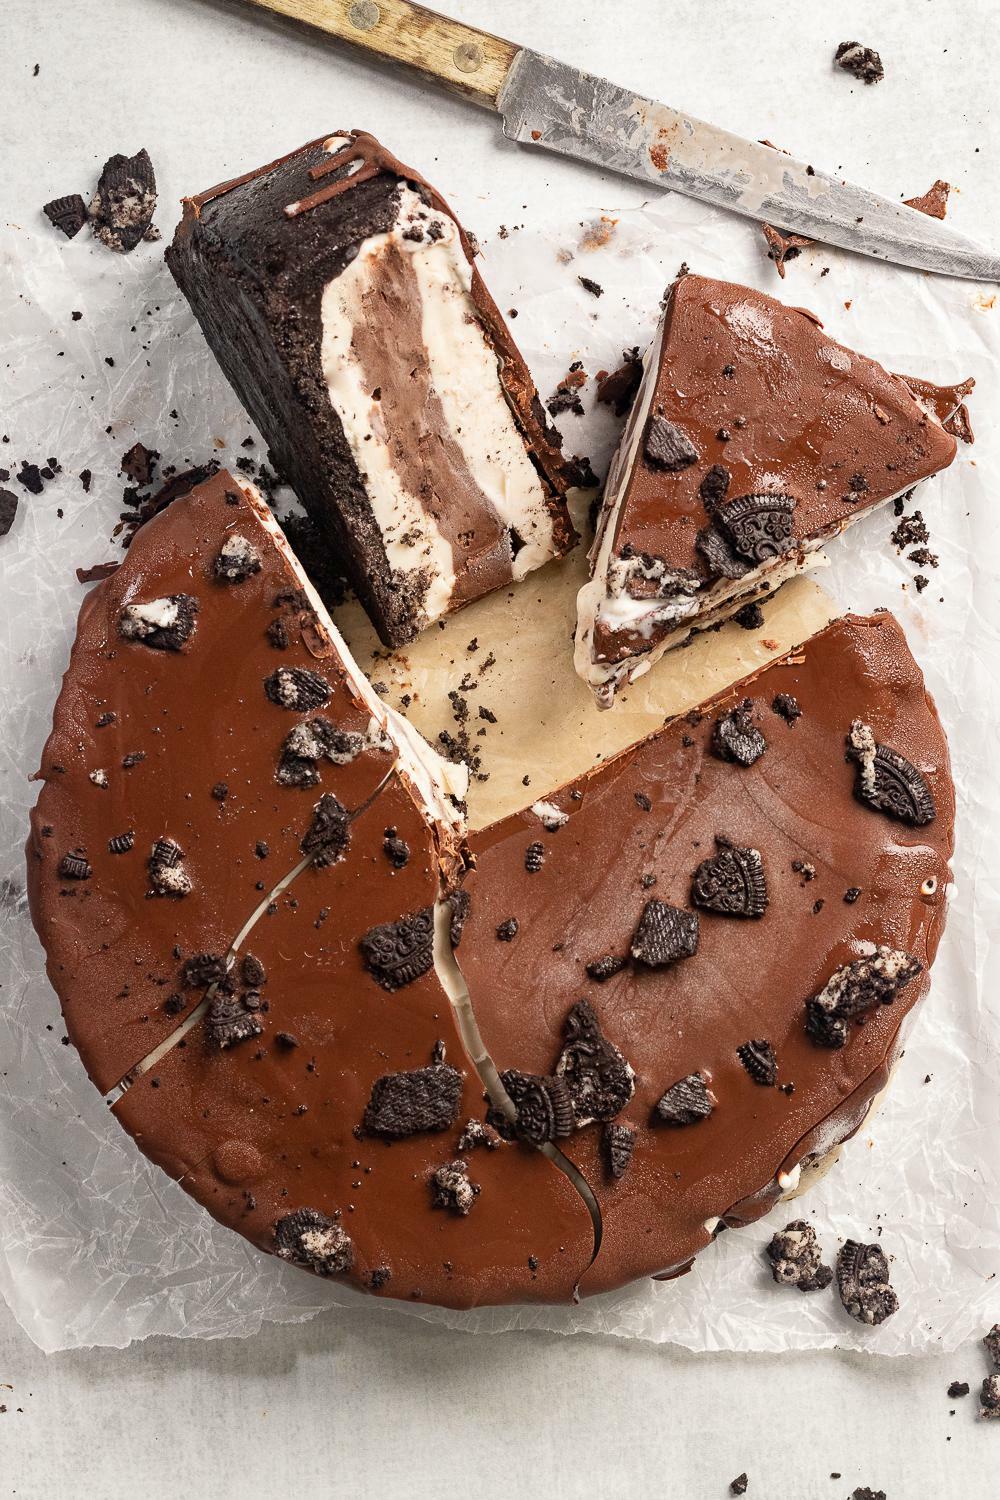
753,439
341,298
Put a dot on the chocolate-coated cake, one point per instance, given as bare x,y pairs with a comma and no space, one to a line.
753,439
340,296
517,1065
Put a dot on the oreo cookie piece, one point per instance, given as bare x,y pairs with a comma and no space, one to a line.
544,1109
664,935
719,555
989,1398
74,867
735,736
738,1486
403,1104
731,882
232,1019
451,1188
991,1342
396,851
599,1080
855,988
329,834
887,781
786,707
167,875
534,857
757,527
397,953
311,1239
123,206
714,487
761,1062
796,1258
667,448
203,969
601,969
8,510
685,1102
252,972
459,903
861,62
161,624
68,214
237,560
475,1135
617,1145
297,688
863,1283
310,742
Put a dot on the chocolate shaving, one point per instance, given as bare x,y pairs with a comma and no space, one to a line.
863,1283
731,882
139,464
685,1102
783,246
397,953
619,389
664,935
404,1104
934,202
309,1238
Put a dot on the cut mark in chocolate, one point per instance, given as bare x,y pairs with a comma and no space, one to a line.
599,1079
887,781
161,624
397,953
856,988
761,1062
664,935
409,1103
667,448
863,1283
685,1102
735,736
731,882
797,1259
309,1238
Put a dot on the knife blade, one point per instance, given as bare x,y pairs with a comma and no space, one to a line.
546,103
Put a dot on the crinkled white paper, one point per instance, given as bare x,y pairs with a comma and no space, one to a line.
97,1246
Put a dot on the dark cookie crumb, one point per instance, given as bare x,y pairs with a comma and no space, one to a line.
161,624
750,617
989,1398
593,287
396,850
329,834
297,688
476,1135
738,1486
310,1238
534,858
252,972
664,935
460,903
237,560
786,707
8,510
404,1104
617,1146
796,1258
123,205
74,867
685,1102
735,736
863,1283
397,953
203,969
599,1080
600,969
887,781
667,448
760,1061
232,1019
861,62
451,1188
957,1389
508,930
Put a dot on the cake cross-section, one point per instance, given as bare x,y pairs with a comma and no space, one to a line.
340,296
753,439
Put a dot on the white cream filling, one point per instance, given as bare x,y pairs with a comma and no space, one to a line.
464,374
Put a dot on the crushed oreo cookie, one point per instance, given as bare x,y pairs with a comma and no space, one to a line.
664,935
735,736
738,1486
404,1104
397,953
617,1146
139,464
475,1136
309,1238
856,988
786,707
761,1062
161,624
310,742
758,527
123,206
796,1258
731,882
534,858
232,1019
721,559
122,843
74,867
507,930
667,448
599,1080
459,902
861,62
685,1102
8,510
991,1343
989,1398
237,560
863,1283
600,969
68,214
544,1109
329,834
203,969
887,781
167,875
714,487
396,850
252,971
750,617
297,688
451,1188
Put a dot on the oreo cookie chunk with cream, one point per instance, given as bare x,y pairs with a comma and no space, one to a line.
754,438
339,294
720,1021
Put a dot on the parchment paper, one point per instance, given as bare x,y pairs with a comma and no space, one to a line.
97,1246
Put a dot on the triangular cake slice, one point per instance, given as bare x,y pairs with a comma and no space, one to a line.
753,439
340,295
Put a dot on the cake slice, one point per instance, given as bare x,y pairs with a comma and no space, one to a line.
340,296
753,439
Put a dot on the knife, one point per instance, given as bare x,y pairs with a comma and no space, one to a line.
543,102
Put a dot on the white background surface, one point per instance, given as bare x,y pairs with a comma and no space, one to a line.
359,1402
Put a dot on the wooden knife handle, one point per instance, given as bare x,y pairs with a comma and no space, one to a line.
470,61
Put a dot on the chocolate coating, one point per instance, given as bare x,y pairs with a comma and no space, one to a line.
747,979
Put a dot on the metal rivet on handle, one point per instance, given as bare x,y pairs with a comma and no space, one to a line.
468,57
364,14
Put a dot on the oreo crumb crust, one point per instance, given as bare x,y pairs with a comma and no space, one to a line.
397,953
404,1104
685,1102
599,1079
309,1238
863,1283
796,1258
665,935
